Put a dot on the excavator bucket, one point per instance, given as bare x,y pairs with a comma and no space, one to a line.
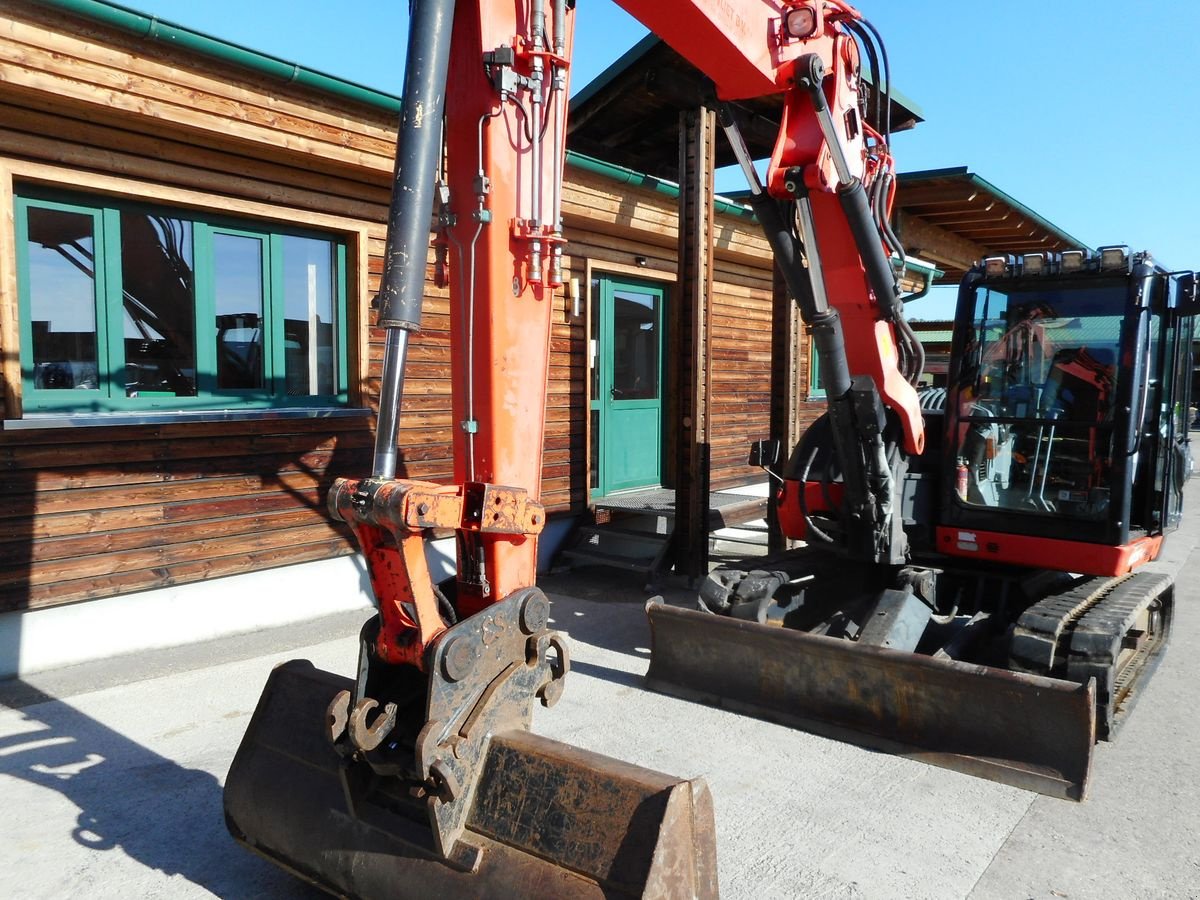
546,819
1025,730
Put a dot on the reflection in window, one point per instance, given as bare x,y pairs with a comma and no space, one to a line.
237,279
150,308
159,312
308,326
1036,400
635,345
62,299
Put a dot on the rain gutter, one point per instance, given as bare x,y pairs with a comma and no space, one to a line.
152,28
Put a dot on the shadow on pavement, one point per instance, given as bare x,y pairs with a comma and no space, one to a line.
605,607
165,816
604,673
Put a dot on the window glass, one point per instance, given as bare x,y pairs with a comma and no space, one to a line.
238,292
309,324
150,308
159,305
635,345
1037,400
61,254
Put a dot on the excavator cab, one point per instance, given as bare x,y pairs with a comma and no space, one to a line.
1046,362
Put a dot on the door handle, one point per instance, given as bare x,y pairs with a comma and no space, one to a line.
615,393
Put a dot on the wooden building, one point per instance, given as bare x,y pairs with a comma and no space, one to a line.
192,235
191,243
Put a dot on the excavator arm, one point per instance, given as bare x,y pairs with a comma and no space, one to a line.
824,209
498,207
334,774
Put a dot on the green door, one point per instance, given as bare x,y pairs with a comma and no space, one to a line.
626,385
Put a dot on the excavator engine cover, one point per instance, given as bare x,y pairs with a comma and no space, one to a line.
546,819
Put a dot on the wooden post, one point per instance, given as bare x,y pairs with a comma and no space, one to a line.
689,340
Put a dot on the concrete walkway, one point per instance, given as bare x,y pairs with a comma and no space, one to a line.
111,773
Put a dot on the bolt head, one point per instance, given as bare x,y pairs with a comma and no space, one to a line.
458,659
535,613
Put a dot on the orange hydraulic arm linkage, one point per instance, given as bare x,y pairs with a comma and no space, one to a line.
825,210
500,244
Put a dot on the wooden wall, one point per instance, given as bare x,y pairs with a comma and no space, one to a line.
609,226
96,511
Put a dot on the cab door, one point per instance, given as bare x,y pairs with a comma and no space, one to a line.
1175,463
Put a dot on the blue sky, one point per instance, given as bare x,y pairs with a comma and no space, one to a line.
1087,112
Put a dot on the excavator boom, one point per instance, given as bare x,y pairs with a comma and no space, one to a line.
419,777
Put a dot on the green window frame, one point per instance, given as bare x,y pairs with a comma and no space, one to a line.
116,353
816,390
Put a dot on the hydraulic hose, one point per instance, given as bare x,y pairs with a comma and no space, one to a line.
880,277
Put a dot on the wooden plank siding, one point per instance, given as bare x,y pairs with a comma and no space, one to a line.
613,224
98,511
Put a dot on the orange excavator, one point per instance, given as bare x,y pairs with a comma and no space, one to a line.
420,776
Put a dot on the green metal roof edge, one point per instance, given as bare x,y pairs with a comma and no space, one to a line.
922,174
670,189
897,96
984,184
152,28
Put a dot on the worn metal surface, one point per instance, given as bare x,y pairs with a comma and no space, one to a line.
897,621
483,679
549,820
1032,732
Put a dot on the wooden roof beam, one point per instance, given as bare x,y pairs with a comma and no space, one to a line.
930,194
950,218
950,251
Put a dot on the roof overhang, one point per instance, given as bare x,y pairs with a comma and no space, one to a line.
629,114
955,218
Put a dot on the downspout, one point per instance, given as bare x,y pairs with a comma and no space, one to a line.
917,295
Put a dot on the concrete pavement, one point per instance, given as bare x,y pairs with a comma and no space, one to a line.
110,776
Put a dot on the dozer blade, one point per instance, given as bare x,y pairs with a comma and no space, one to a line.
1029,731
547,819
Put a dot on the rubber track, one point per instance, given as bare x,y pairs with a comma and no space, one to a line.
1040,639
1079,634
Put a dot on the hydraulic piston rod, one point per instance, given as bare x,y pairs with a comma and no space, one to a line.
418,151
